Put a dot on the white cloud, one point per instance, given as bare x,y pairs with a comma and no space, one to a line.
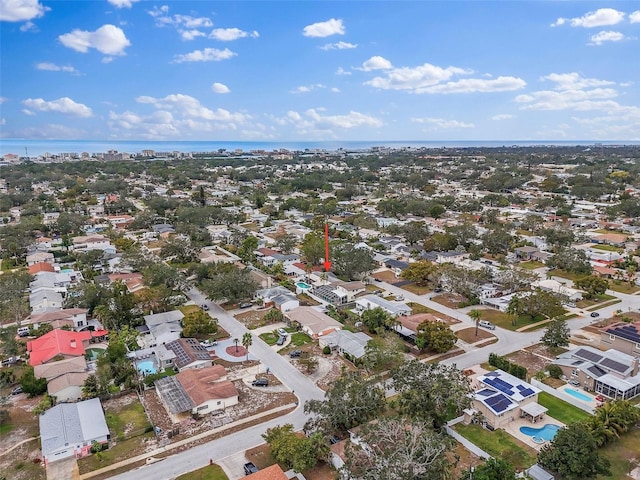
52,67
574,81
28,112
2,100
502,116
476,85
606,36
230,34
338,46
324,29
314,123
189,107
442,123
205,55
307,88
220,88
21,10
599,18
61,105
191,34
184,21
413,78
158,11
342,71
108,39
29,27
335,90
558,22
634,17
123,3
376,63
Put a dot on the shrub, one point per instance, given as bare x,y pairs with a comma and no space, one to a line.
554,371
327,350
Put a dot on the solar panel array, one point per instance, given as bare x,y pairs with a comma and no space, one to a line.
525,391
501,385
592,356
628,332
613,365
498,403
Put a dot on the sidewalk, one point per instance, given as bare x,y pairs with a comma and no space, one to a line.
186,441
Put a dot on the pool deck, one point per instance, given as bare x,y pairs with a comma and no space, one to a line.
513,429
592,403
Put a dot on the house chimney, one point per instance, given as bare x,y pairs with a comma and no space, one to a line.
73,343
635,367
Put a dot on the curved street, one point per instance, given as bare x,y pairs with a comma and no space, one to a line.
305,389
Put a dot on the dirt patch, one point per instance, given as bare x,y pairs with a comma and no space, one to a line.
469,335
253,319
546,352
236,351
448,300
534,362
387,276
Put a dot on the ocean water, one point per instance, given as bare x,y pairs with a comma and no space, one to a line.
34,148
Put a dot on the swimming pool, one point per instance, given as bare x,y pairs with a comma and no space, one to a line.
578,394
545,433
94,353
303,285
146,366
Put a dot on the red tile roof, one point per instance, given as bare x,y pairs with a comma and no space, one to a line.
59,342
274,472
41,267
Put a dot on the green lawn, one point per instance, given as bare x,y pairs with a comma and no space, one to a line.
187,309
499,444
417,308
568,275
210,472
561,410
531,265
608,248
504,320
298,339
5,428
114,454
621,452
623,287
127,421
585,303
269,338
417,289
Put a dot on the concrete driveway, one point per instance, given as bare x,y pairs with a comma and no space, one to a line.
66,469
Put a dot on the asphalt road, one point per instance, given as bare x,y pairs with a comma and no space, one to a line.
216,450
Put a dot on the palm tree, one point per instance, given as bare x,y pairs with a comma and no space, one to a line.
513,308
247,341
476,315
235,340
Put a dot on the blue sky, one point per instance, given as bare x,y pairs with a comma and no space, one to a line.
320,70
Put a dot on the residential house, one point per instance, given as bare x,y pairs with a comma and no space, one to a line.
612,239
500,398
623,337
279,297
312,321
270,257
41,267
75,318
339,293
161,328
525,253
45,301
407,325
69,429
65,378
396,266
198,392
133,281
273,472
369,302
189,354
61,344
86,243
38,257
567,294
611,373
348,344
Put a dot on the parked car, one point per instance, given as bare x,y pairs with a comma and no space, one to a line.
399,297
260,382
23,331
208,343
246,305
333,439
281,340
250,468
16,391
575,383
487,325
295,353
205,307
377,279
282,332
595,314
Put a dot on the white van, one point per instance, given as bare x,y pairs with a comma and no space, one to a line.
23,331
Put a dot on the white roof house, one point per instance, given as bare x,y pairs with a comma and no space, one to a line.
370,302
68,429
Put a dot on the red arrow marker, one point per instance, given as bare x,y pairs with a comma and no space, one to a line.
327,263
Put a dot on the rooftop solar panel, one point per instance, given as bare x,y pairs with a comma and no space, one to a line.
486,392
527,392
593,356
498,403
628,332
613,365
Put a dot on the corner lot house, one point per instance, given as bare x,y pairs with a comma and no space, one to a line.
501,398
623,337
313,322
69,429
611,373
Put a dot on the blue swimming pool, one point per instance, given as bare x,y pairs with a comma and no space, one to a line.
303,285
146,366
578,394
546,433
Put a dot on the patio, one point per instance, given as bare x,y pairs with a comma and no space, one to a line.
577,396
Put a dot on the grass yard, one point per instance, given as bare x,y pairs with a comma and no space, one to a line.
417,289
469,335
621,452
299,339
187,309
623,287
561,410
127,420
585,303
417,308
499,444
605,304
5,428
607,248
269,338
210,472
114,454
568,275
531,265
500,319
